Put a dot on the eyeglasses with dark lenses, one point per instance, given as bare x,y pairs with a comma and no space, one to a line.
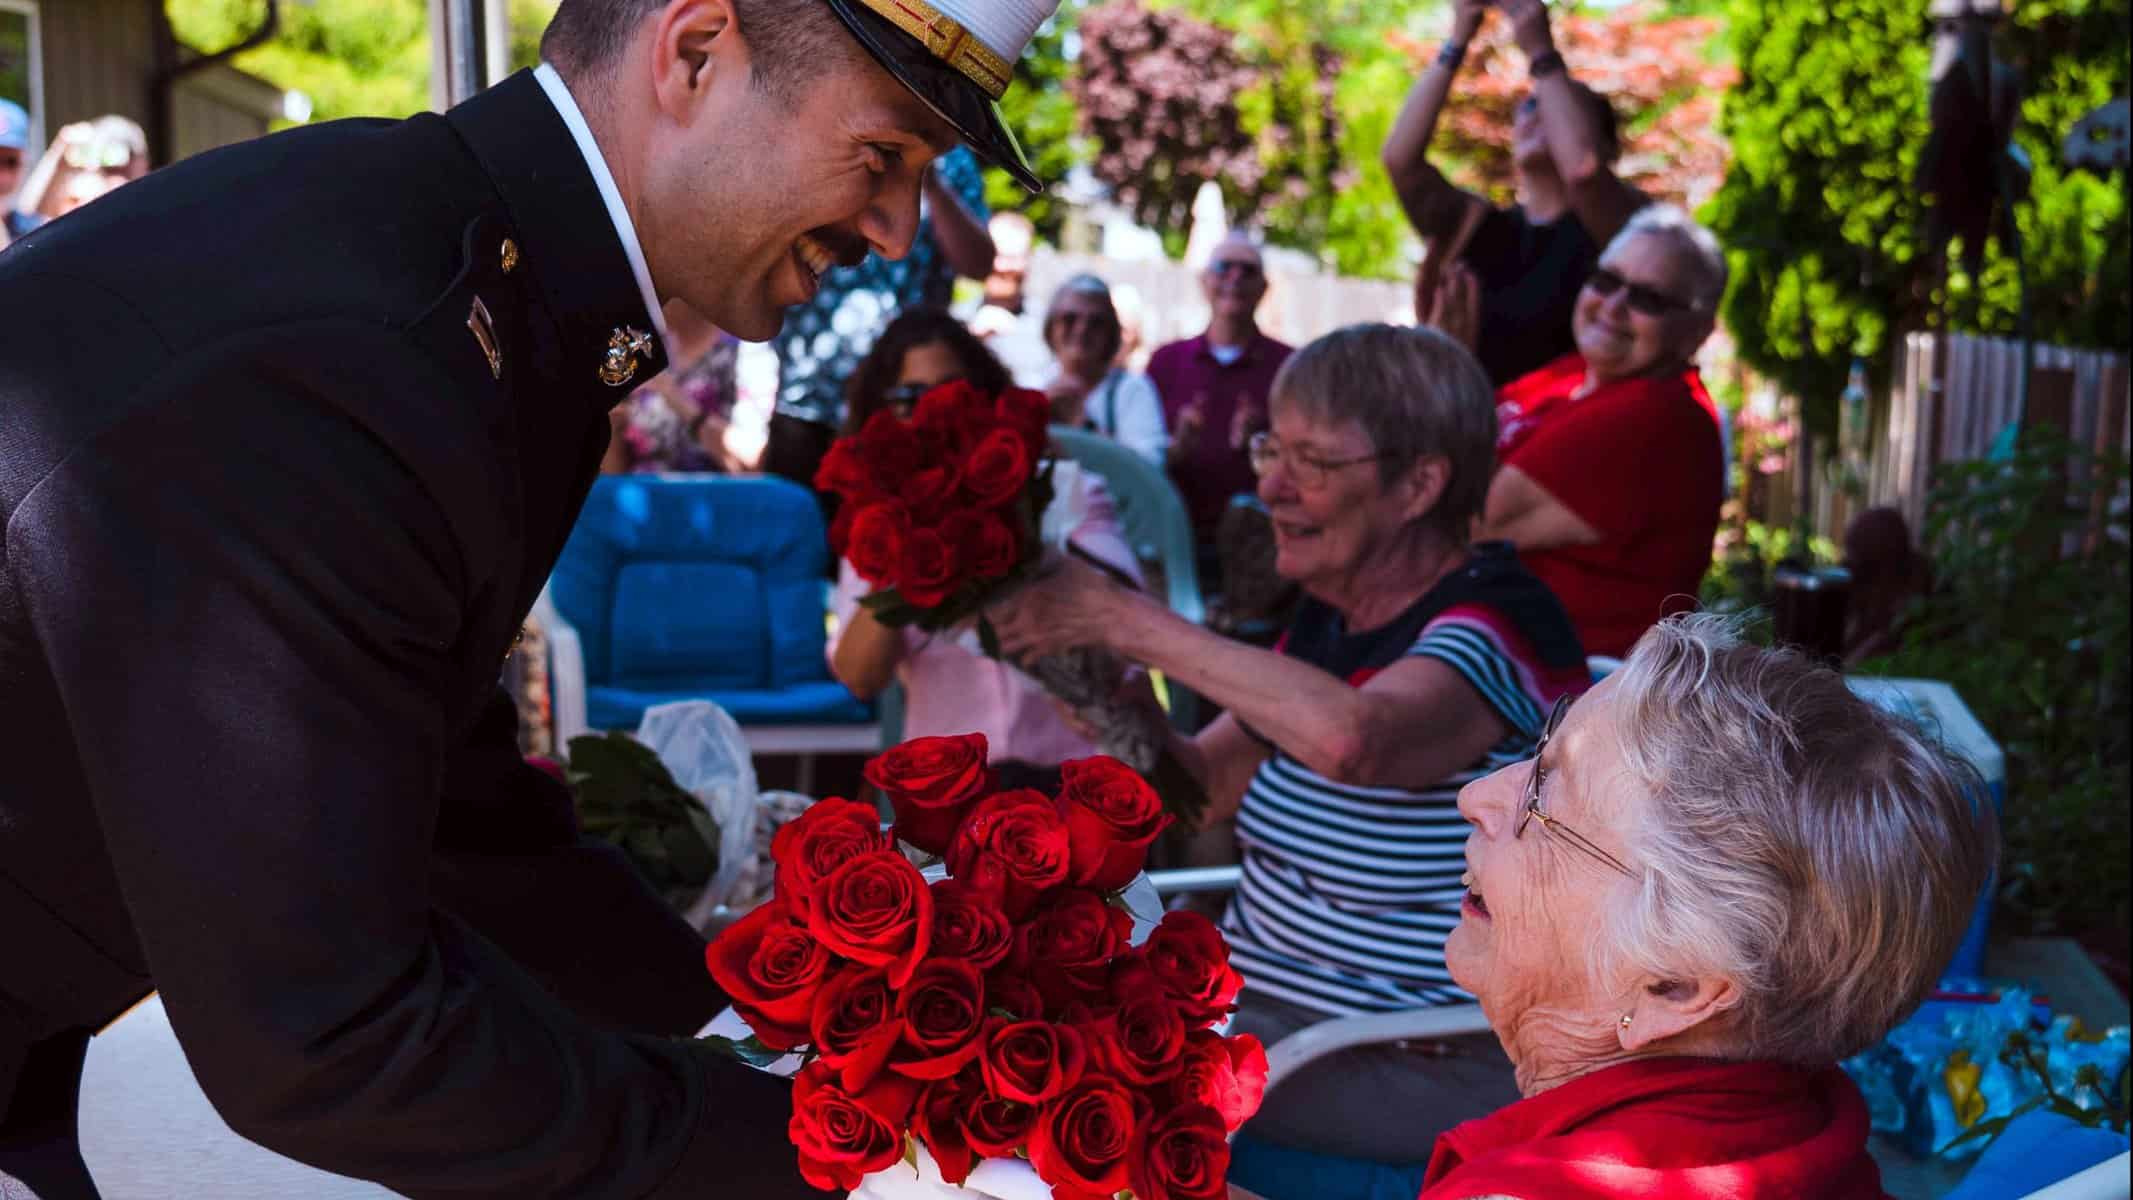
1234,266
1650,301
903,398
1531,812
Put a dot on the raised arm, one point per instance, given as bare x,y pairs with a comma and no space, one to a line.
1598,197
1434,206
958,215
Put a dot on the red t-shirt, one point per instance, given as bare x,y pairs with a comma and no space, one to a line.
1640,461
1668,1129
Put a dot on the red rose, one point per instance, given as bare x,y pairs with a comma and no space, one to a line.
878,541
938,1118
969,925
929,572
1087,1141
1066,945
998,467
843,1135
1140,1037
854,1025
1191,961
770,968
1111,816
942,1014
930,781
875,909
844,472
996,1128
1228,1074
1029,414
987,548
1012,846
1184,1156
1032,1061
840,530
808,847
889,449
930,494
1011,992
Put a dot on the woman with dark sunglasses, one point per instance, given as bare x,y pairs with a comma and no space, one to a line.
1504,280
1612,457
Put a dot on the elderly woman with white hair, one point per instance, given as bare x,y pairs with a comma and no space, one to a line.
1722,873
1612,463
1090,388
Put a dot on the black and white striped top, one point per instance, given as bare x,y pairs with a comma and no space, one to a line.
1349,892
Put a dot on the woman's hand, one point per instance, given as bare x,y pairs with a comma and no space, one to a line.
1529,26
1074,605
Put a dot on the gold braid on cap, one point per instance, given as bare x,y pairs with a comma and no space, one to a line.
945,38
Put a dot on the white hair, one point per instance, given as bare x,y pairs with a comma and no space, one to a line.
1817,850
1706,257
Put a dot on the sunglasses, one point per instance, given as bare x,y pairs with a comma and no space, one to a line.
1650,301
1248,270
903,398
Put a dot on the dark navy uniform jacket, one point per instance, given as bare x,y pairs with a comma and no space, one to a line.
270,518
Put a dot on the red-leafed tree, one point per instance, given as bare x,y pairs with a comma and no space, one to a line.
1656,70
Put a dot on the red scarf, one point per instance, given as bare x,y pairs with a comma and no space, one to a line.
1668,1129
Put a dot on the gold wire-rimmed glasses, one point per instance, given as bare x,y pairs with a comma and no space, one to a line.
1532,811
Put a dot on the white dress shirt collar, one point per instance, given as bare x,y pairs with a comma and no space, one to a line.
566,106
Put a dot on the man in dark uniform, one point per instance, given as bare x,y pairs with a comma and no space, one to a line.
290,435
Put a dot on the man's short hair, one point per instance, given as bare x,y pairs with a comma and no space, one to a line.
789,41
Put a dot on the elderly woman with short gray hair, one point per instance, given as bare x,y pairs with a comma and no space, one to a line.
1416,661
1722,873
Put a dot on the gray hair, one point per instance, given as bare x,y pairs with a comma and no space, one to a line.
1820,852
1415,393
1706,257
1085,284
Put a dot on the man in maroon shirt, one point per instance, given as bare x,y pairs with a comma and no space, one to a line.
1215,387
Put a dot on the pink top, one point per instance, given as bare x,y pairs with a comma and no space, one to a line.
949,689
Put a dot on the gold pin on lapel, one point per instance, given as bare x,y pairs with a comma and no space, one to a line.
485,333
510,256
624,346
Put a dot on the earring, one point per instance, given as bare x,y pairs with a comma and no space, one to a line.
1625,1020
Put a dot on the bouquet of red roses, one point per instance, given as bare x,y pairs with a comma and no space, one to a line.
1003,1010
940,511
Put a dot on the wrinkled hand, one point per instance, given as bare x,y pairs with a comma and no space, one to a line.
1069,400
1529,26
1456,308
1067,608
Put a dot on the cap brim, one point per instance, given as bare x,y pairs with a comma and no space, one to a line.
945,90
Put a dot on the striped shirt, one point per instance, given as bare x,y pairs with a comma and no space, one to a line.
1349,892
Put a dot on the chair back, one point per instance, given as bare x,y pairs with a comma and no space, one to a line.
708,582
1149,509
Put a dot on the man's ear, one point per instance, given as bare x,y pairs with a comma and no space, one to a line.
692,42
1670,1007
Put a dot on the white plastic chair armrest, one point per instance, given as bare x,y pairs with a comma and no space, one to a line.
2106,1180
1184,881
566,670
1340,1033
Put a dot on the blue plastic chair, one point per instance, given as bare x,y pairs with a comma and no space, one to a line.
699,587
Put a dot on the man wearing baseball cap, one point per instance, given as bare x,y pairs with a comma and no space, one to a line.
294,433
14,149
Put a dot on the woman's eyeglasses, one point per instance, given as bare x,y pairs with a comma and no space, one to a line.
1306,471
1532,810
1650,301
903,398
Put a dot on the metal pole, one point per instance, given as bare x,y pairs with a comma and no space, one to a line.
457,51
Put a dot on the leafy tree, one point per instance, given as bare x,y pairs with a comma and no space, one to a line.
367,58
1040,109
1819,210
